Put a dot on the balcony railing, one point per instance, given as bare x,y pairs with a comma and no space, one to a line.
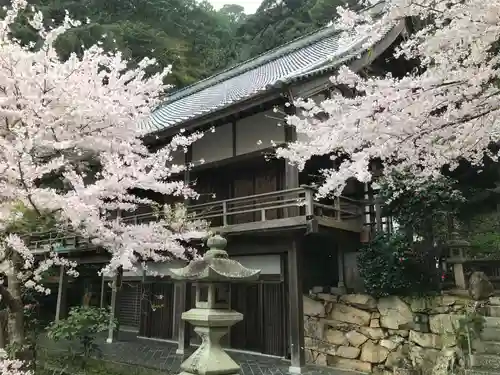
228,213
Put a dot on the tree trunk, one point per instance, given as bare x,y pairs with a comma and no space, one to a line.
4,315
15,320
16,313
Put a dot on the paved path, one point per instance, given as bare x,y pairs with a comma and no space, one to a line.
161,356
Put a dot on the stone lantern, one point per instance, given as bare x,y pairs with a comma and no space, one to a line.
457,251
212,316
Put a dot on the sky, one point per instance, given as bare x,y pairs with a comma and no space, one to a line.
249,5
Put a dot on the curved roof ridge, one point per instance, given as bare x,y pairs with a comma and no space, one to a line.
253,63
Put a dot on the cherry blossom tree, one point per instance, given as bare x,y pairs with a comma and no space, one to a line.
71,155
442,112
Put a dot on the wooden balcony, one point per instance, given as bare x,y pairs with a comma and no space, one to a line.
285,209
279,209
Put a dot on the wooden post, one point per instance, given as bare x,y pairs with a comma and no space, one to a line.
61,295
103,285
340,261
224,213
291,180
182,298
309,200
378,216
338,213
296,308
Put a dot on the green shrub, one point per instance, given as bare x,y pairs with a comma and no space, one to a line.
82,325
391,265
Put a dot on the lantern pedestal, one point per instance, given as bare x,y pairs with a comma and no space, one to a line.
211,325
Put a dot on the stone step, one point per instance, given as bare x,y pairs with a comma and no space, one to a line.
486,361
493,311
481,372
490,334
495,301
491,322
487,347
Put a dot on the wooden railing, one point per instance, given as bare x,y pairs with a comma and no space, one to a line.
261,207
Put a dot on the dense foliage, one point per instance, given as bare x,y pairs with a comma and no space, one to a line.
392,264
191,36
422,209
277,22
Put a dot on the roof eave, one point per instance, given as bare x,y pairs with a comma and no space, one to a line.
231,109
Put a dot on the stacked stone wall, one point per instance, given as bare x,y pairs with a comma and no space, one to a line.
359,332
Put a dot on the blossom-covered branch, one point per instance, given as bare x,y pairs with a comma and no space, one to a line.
444,111
70,147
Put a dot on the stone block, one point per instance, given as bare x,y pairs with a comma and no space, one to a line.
373,333
313,307
444,323
317,289
422,357
355,338
442,309
394,313
392,343
375,323
315,358
394,359
336,324
349,364
337,291
375,315
327,297
349,352
433,341
336,337
314,327
399,332
350,314
362,301
450,300
420,305
373,353
480,287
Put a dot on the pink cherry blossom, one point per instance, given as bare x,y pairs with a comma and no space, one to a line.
446,110
56,118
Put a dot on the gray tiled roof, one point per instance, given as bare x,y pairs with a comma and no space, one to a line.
303,57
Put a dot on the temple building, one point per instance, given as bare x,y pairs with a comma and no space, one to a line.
264,207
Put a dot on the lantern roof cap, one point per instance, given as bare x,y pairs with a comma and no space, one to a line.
215,266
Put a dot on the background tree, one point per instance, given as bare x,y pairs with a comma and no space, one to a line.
278,22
